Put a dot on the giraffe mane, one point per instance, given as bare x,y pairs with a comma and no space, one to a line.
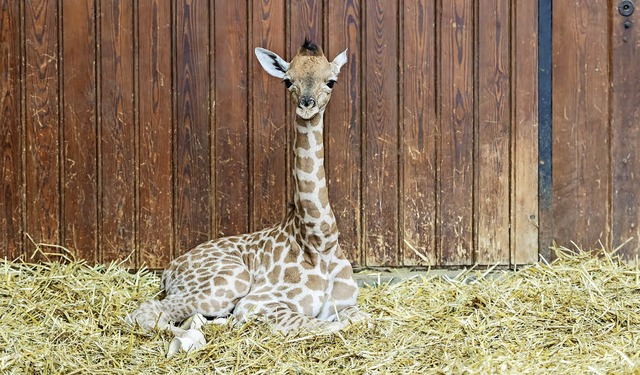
310,49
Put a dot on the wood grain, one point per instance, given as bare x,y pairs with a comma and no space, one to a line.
155,118
381,135
79,151
42,123
581,167
625,131
419,153
492,167
193,172
456,129
118,131
524,155
269,133
343,125
176,134
306,21
10,131
231,111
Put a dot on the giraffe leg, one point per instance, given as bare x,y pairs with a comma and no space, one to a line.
283,319
215,295
352,314
211,291
158,315
161,315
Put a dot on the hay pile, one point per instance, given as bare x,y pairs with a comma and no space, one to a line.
580,315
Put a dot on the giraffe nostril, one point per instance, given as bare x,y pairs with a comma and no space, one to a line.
307,102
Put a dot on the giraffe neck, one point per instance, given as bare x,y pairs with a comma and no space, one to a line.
313,214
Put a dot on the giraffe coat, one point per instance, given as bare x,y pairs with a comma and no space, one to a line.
294,274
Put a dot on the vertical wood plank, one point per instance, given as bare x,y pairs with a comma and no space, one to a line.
79,185
306,22
456,129
156,132
118,154
343,125
231,117
193,172
524,219
269,138
492,168
625,130
381,135
419,197
10,131
42,122
581,167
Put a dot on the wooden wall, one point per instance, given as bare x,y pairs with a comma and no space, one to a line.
145,127
596,127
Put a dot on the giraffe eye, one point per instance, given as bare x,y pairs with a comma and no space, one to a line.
330,83
287,82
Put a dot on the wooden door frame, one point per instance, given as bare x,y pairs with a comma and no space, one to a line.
545,102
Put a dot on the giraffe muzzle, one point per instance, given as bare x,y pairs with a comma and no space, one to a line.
307,107
307,102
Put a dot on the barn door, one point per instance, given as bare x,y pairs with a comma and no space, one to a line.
596,125
479,145
625,125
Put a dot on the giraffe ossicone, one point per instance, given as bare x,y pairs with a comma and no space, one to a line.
293,275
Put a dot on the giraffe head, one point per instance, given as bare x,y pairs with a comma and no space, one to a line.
309,77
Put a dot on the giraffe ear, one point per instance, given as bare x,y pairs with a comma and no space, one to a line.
340,60
272,63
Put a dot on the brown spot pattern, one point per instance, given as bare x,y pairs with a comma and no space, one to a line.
292,275
306,186
302,141
306,164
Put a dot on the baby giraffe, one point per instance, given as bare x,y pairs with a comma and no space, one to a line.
293,275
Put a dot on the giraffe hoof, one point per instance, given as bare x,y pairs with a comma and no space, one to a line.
188,341
194,322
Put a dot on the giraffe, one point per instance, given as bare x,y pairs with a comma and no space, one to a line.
293,275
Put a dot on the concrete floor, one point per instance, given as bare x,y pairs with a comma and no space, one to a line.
392,276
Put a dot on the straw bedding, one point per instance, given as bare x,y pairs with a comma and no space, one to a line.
581,314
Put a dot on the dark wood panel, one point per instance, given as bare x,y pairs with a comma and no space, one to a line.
419,153
176,134
42,123
306,21
118,131
492,170
625,125
10,131
381,134
343,125
581,166
193,152
79,179
269,147
155,118
456,129
524,156
231,167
